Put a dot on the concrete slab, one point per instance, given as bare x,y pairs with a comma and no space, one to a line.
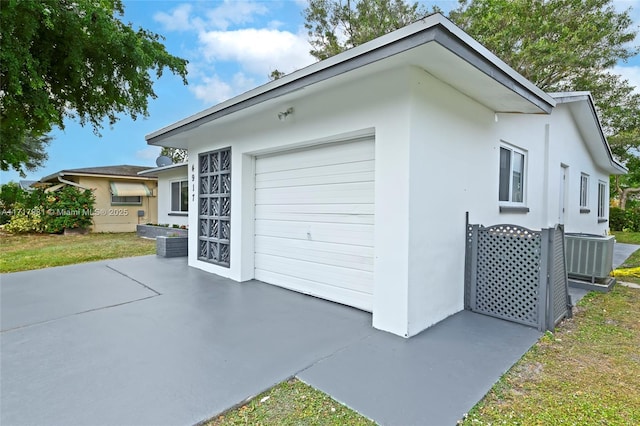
32,297
622,251
185,345
178,358
430,379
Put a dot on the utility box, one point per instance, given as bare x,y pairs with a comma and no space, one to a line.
589,256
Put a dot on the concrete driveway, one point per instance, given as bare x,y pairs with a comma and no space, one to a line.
150,341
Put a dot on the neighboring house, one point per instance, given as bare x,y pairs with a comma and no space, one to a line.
173,193
123,198
350,179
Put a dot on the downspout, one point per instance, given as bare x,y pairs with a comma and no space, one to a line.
68,182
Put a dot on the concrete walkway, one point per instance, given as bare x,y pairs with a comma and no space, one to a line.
150,341
621,252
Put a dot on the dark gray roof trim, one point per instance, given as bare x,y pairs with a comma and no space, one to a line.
567,97
438,32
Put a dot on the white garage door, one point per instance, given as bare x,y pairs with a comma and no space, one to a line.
315,221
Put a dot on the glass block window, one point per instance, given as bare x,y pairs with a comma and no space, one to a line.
214,206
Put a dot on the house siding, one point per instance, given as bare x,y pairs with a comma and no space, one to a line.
165,178
118,218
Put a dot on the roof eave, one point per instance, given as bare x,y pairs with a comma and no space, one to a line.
613,165
429,29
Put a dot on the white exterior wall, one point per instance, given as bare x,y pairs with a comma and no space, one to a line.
436,157
165,178
360,108
553,141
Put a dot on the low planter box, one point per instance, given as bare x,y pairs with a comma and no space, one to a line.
172,246
152,231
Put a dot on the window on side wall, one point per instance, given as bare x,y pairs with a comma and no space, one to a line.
584,193
602,200
513,166
180,196
128,200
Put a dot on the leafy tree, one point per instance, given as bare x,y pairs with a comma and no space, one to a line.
276,74
71,59
561,45
177,155
337,25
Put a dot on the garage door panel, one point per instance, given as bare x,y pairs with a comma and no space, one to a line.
363,219
342,178
349,297
329,154
278,211
331,276
314,221
355,257
359,192
339,233
309,172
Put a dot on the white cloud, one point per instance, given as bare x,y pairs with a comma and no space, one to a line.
148,153
630,73
233,12
258,51
212,90
177,20
227,57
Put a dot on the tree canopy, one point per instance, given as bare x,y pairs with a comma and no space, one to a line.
561,45
337,25
71,59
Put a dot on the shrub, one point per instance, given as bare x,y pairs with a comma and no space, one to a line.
69,208
10,194
24,220
617,219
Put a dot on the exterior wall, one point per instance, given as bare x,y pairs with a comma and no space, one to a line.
555,143
354,109
164,196
452,157
437,158
118,218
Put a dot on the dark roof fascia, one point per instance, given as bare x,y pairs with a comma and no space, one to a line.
567,97
437,32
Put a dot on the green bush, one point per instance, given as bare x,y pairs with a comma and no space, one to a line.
10,194
67,208
624,220
617,219
25,220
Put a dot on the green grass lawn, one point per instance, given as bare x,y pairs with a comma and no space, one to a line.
23,252
627,237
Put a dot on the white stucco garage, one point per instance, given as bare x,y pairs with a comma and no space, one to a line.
351,179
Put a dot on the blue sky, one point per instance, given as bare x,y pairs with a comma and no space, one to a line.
232,46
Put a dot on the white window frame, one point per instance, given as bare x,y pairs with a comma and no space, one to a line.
602,199
509,202
584,191
179,182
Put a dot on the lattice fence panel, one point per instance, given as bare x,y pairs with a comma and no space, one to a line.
508,273
559,291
